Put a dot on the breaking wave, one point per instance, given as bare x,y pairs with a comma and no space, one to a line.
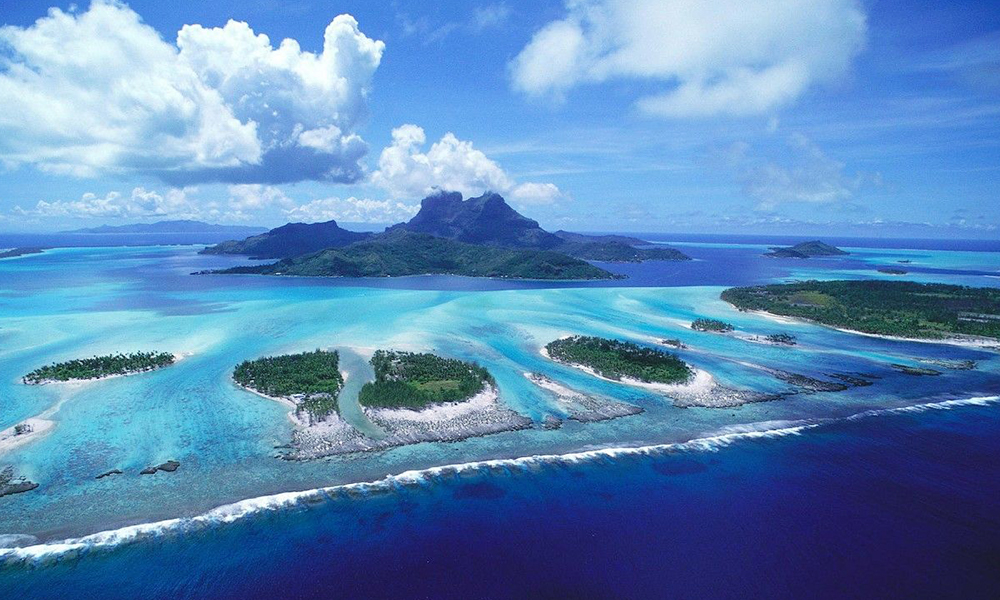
727,436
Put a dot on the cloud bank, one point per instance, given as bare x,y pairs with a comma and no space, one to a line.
101,92
805,174
734,57
406,171
141,203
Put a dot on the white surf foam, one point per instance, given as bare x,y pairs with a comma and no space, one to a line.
236,511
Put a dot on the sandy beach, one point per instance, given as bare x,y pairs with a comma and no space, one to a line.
10,440
955,340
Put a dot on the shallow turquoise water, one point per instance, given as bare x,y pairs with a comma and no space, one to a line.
76,302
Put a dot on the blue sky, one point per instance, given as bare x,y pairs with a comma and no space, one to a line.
779,116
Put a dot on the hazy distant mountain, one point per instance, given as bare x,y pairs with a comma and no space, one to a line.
400,252
293,239
183,226
619,252
805,250
569,236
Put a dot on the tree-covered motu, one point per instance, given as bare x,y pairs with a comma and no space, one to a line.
616,359
416,381
713,325
311,379
898,308
100,366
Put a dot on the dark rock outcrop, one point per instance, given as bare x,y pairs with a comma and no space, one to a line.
11,484
170,466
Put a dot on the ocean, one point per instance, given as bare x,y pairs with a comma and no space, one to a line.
888,490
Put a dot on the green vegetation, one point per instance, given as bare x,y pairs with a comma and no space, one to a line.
405,253
416,381
781,338
15,252
293,239
805,250
713,325
615,359
899,308
311,379
100,366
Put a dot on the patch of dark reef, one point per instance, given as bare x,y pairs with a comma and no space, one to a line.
11,484
169,467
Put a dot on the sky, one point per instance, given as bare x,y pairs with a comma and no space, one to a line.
841,117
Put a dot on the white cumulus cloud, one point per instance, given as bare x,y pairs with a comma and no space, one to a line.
101,92
140,203
721,57
407,171
803,174
357,210
245,197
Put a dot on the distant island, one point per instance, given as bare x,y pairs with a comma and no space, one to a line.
893,308
15,252
617,360
401,253
179,226
100,367
713,325
417,381
293,239
311,380
805,250
478,237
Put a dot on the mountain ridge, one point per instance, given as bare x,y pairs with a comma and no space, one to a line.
172,226
291,239
401,253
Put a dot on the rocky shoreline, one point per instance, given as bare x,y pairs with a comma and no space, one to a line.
11,484
481,415
701,390
581,407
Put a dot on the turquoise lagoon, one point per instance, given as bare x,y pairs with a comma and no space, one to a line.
78,302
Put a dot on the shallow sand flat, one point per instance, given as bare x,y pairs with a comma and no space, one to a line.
483,414
39,427
582,407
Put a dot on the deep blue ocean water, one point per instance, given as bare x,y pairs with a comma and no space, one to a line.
890,506
857,495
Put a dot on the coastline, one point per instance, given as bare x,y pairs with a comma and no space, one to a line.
700,380
9,440
978,343
42,423
482,414
700,391
65,382
582,407
31,553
